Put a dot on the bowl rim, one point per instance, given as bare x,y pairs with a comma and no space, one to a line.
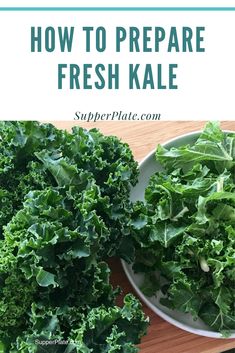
155,309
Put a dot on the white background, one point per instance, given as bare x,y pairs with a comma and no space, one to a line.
28,81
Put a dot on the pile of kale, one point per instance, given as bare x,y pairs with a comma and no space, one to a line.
185,230
64,209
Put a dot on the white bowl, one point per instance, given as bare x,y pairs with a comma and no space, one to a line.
184,321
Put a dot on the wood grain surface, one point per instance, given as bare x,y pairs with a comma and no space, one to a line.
143,137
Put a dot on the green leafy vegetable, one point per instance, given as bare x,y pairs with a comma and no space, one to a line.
188,232
64,210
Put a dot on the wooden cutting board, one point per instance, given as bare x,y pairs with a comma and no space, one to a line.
143,137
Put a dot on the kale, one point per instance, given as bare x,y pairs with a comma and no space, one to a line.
185,229
65,207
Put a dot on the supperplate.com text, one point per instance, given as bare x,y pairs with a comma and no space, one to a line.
116,116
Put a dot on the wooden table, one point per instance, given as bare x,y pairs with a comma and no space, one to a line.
142,137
